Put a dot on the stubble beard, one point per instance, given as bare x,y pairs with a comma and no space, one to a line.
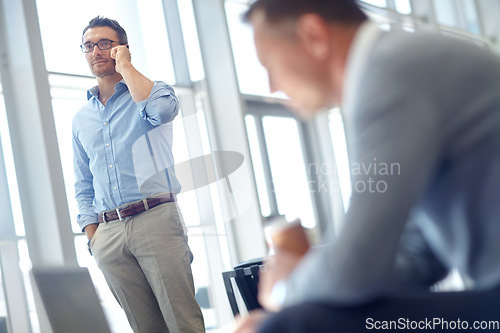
109,71
104,74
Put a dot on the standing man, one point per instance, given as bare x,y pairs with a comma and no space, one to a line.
126,187
429,105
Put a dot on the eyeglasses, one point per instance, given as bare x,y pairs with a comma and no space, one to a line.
103,44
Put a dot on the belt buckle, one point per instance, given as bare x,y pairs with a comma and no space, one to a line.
104,217
118,213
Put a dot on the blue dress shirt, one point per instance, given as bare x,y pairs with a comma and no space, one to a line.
123,150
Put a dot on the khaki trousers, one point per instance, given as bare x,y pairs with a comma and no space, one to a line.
147,264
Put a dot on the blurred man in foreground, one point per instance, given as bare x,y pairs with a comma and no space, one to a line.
422,118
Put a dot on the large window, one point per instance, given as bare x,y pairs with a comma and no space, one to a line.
281,166
289,168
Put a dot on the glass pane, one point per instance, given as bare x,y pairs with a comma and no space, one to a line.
258,167
191,42
340,152
403,6
68,96
221,229
61,34
200,271
186,200
252,77
10,169
446,12
470,17
3,129
143,20
221,224
156,59
288,169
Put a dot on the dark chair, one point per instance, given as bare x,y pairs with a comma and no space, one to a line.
246,276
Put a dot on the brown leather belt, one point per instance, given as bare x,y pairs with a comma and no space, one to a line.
135,208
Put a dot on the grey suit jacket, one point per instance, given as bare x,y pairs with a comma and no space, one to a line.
424,132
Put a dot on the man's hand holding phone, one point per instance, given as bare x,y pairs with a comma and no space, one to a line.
122,57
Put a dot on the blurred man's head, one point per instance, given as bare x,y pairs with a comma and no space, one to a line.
303,45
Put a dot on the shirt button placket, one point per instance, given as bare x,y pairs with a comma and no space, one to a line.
109,154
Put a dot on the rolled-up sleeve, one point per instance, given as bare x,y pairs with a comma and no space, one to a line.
161,106
84,190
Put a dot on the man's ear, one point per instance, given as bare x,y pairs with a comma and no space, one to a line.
314,34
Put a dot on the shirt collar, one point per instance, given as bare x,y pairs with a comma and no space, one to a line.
94,91
359,53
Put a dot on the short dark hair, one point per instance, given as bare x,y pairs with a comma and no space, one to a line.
101,21
332,11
